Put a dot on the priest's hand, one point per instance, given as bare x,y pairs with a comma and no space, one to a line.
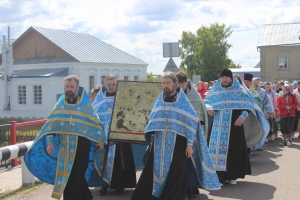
50,149
239,121
100,146
211,112
189,151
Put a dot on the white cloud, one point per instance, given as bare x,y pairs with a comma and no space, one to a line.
140,27
5,3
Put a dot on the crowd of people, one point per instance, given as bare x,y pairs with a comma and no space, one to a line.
279,100
198,135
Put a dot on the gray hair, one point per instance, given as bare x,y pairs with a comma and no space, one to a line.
255,79
72,77
170,75
111,77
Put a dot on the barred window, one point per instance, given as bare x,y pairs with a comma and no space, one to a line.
283,62
136,78
92,82
22,94
103,79
37,92
126,78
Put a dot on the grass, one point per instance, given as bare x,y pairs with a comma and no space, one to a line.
25,189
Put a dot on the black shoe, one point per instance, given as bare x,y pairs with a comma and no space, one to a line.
118,192
103,190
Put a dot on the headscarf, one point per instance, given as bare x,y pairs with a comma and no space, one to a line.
288,91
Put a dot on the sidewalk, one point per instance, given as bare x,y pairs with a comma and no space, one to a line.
10,179
275,175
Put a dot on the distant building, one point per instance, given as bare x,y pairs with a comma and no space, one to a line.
43,57
279,47
241,71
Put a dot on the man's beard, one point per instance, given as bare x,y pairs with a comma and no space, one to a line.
70,95
168,92
226,86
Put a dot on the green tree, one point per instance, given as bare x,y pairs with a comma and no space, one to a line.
151,78
205,53
233,65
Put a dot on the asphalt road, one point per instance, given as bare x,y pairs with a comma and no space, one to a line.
275,175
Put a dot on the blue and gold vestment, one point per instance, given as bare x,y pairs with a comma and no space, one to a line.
67,122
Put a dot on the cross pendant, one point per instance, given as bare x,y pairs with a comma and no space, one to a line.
109,110
166,127
71,120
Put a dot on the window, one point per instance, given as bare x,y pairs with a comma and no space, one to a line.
37,92
283,62
58,96
103,79
22,94
136,78
92,82
125,78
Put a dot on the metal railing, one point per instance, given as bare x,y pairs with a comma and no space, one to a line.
5,141
15,133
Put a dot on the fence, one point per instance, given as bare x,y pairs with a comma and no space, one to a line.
5,141
19,133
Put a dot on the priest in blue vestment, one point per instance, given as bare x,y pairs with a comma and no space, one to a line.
179,156
63,152
118,175
238,123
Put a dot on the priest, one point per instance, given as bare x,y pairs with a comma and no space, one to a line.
62,153
118,175
238,124
179,156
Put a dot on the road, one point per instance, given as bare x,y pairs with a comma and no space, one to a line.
275,175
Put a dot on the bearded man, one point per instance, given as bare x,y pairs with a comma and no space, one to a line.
238,123
177,158
63,152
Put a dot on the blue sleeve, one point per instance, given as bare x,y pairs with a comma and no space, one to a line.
244,115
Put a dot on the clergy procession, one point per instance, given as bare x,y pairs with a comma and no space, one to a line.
193,136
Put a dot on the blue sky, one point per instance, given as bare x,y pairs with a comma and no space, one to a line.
139,27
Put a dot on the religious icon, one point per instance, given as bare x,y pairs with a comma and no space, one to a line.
133,104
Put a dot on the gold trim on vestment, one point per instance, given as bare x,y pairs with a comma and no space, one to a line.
96,167
74,112
75,120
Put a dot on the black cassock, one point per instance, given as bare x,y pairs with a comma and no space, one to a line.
238,161
123,178
77,188
176,185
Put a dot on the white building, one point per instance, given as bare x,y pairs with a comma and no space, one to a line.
43,57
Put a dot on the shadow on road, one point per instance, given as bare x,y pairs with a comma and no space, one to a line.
246,191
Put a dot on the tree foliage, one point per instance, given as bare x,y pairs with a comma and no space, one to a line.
205,53
151,78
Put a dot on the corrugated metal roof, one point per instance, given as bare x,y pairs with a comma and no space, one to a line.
86,48
279,34
245,69
40,72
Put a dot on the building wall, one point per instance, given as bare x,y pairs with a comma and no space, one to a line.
269,61
51,86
